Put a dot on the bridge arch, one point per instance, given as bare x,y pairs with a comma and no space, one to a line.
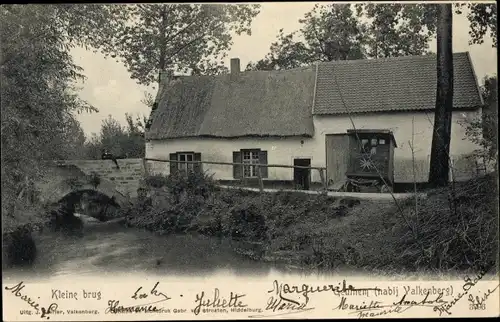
61,181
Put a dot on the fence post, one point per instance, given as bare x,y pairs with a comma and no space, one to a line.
145,165
322,176
261,183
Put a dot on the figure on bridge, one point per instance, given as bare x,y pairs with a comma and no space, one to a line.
108,156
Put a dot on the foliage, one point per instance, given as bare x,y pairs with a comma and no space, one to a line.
285,54
325,232
120,141
330,32
483,131
371,30
180,203
37,95
148,100
333,32
148,38
371,237
482,17
397,29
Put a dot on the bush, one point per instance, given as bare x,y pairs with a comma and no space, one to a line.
193,203
455,229
170,203
21,249
324,232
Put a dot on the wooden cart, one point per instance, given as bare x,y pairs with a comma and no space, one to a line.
370,162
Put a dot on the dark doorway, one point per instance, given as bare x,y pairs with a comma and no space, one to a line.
302,177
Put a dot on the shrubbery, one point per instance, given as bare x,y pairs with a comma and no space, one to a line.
194,203
324,232
453,229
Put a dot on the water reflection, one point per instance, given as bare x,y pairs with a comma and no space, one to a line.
110,248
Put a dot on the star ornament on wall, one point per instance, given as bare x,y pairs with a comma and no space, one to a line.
366,164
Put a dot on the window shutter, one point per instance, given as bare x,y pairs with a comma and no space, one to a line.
263,160
198,167
237,169
173,165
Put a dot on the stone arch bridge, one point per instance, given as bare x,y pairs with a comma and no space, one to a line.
64,177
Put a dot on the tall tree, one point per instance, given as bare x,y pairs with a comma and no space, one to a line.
482,18
440,150
483,130
285,53
337,32
148,38
333,32
397,29
372,30
37,94
121,141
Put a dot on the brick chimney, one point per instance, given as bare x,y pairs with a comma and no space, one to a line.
235,66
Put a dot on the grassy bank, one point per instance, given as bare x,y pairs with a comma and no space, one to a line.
451,229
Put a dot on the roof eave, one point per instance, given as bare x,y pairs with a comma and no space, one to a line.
478,87
154,137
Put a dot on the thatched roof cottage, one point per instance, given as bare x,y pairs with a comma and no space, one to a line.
301,116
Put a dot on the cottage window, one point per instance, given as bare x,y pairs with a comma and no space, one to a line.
185,158
249,158
185,162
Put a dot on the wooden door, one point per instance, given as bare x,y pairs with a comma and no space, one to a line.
337,157
302,177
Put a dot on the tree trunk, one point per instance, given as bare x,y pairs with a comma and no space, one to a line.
440,151
163,43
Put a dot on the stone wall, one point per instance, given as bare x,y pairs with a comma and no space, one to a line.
126,178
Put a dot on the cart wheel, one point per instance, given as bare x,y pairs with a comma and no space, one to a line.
385,189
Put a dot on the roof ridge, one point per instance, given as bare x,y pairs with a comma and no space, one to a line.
385,59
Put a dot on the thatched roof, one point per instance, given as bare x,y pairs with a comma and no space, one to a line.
282,103
391,84
259,103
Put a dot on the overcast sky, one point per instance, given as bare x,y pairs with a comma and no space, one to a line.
110,88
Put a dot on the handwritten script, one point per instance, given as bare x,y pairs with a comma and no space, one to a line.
218,302
290,299
469,283
44,312
115,307
377,308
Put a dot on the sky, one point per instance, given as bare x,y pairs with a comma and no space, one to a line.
111,90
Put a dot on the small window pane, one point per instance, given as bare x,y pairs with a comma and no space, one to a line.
189,157
381,141
182,157
246,171
374,142
246,155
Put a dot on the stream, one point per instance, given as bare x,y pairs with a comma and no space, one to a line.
111,248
